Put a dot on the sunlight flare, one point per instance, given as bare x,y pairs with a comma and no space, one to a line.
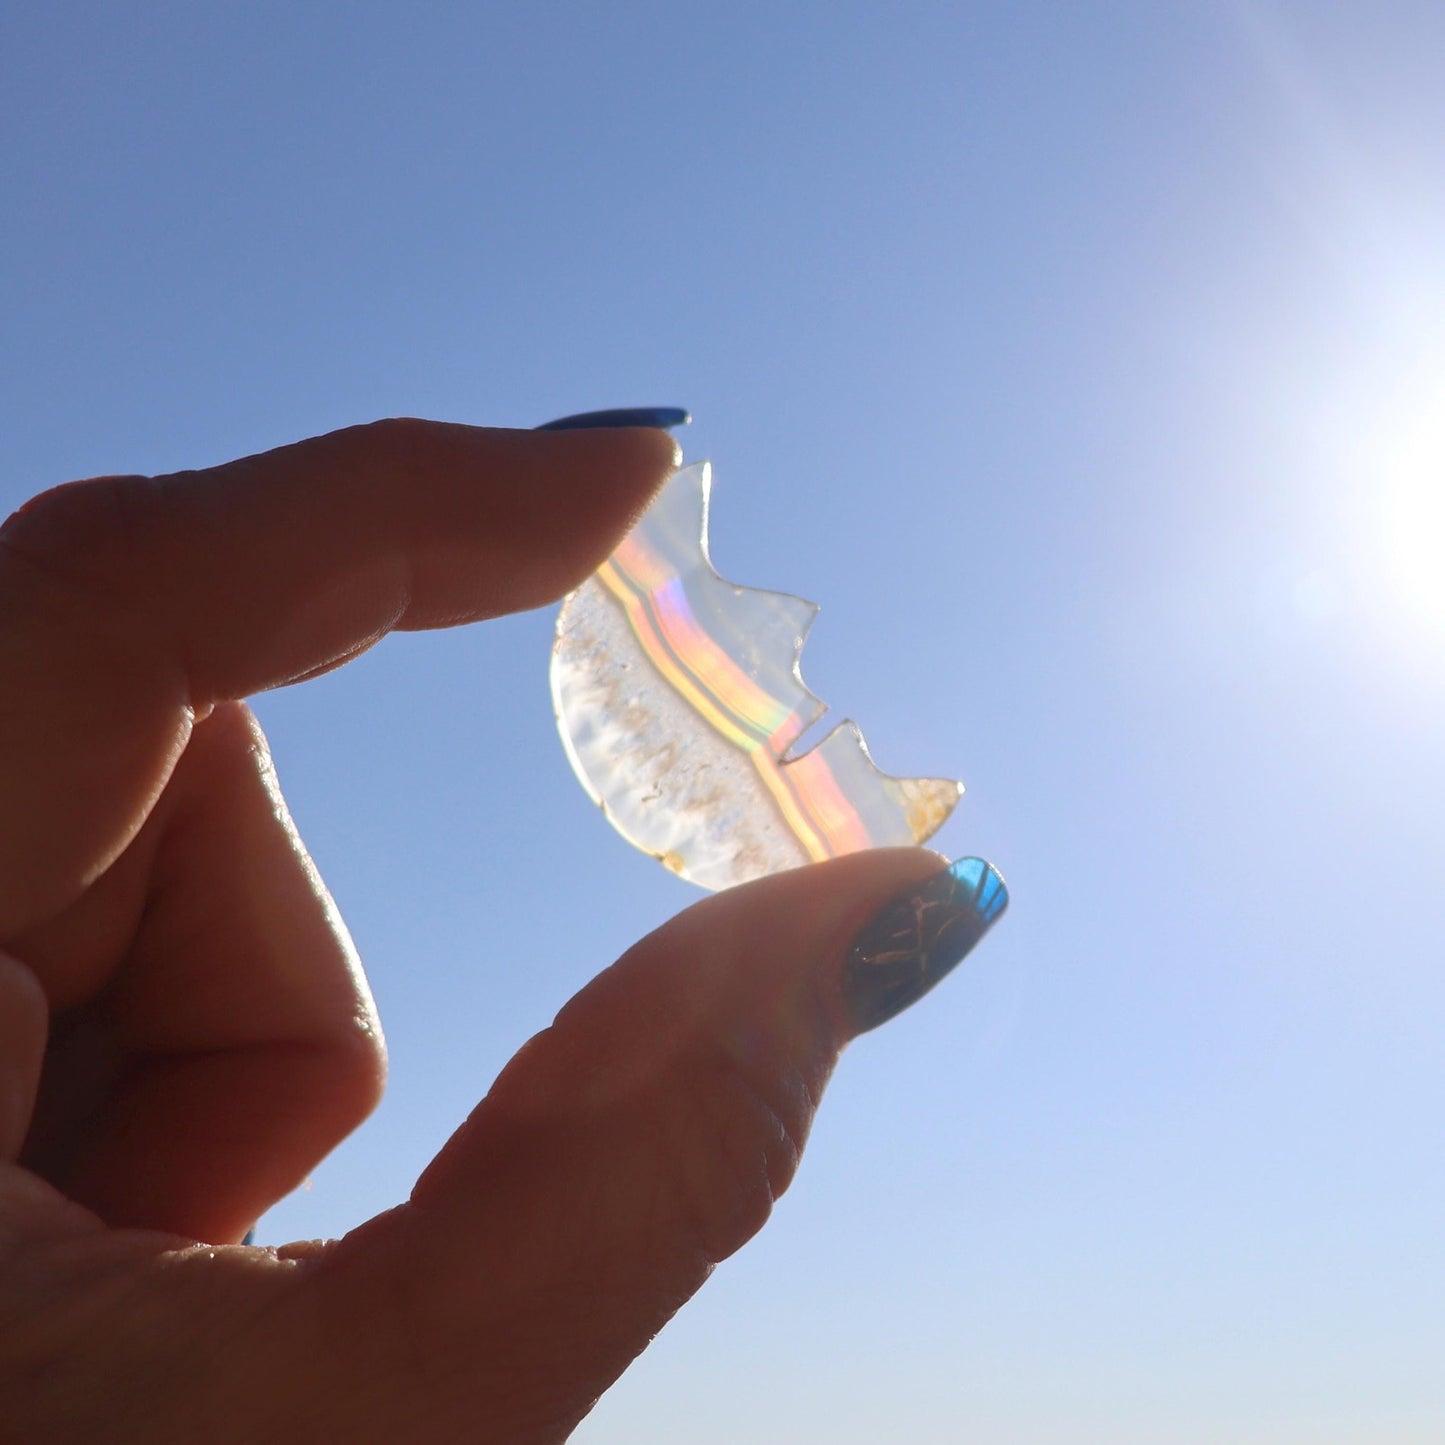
1413,517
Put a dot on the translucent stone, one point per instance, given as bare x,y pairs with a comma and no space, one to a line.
678,696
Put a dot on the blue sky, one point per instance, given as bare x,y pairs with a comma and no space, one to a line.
1087,364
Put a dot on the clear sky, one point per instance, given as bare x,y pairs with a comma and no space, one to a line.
1087,363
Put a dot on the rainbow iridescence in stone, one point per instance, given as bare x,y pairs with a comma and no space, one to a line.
678,697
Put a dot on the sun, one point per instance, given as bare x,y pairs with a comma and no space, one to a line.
1412,490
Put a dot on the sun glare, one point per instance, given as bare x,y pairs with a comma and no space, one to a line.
1413,492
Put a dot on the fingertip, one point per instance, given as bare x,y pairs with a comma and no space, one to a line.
583,491
645,454
761,969
916,938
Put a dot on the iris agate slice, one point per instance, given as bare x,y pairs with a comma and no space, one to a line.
678,697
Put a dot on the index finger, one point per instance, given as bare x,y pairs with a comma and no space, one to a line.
130,604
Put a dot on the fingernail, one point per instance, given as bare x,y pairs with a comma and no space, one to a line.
917,938
656,416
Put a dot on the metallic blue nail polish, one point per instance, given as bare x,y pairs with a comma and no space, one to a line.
917,938
655,416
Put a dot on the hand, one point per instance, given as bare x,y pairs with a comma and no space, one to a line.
185,1029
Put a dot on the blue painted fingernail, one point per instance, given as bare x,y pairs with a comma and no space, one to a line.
917,938
656,416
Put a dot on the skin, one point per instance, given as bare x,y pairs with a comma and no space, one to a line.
185,1029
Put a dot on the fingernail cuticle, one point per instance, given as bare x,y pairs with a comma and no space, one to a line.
917,938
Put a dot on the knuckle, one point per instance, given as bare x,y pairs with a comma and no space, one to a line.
739,1138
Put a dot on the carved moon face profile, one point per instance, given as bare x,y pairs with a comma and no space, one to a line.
679,698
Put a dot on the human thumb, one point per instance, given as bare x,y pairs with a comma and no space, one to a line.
636,1142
